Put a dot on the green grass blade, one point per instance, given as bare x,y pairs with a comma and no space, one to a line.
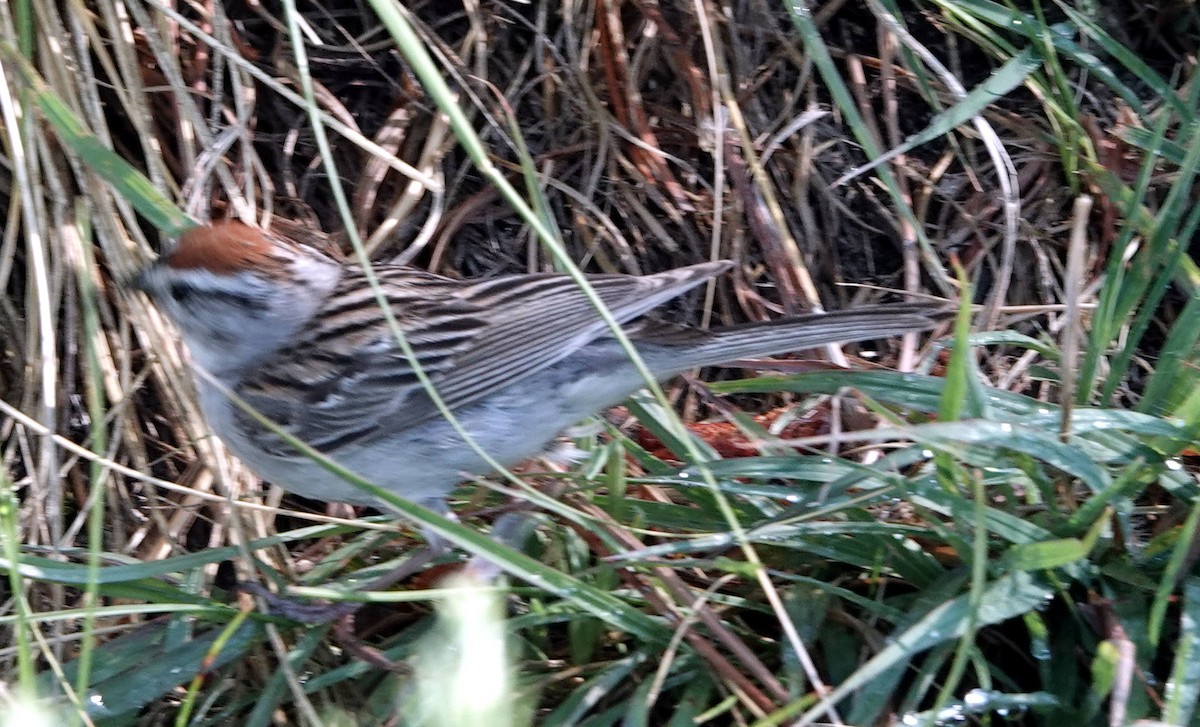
1183,688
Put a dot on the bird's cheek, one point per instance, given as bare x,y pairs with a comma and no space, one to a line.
219,337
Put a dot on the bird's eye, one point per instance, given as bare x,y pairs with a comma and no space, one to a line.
179,292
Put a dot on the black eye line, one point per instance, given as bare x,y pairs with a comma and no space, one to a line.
180,292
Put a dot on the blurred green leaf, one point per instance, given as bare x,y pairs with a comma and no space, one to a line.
1044,555
134,669
1183,687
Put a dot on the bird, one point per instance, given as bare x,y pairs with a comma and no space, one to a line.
300,337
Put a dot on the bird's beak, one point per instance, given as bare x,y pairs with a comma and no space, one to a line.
138,281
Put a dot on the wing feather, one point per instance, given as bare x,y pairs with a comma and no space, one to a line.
347,379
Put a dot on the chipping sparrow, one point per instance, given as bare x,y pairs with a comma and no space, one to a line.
300,337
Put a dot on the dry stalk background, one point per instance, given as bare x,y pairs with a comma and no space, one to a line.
656,135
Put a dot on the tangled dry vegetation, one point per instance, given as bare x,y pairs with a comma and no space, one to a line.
1022,551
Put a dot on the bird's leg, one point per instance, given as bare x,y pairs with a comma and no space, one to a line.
510,529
